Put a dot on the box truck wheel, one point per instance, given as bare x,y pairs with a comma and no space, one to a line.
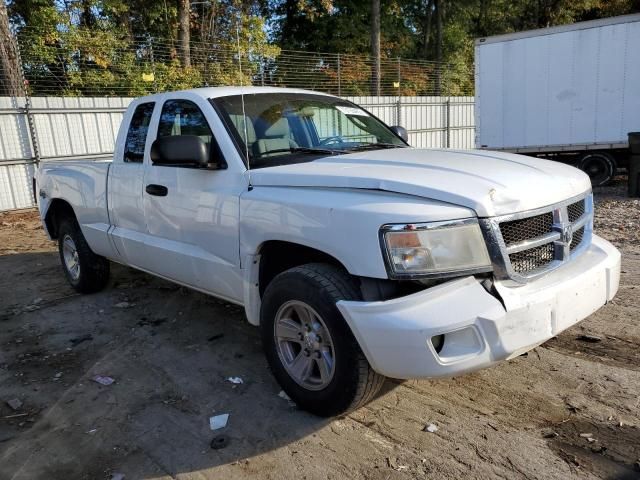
600,166
309,346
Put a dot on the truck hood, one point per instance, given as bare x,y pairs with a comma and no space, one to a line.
491,183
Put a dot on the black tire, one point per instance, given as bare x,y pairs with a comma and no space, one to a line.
600,166
93,272
320,286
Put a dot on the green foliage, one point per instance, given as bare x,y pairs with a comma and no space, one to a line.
66,52
130,47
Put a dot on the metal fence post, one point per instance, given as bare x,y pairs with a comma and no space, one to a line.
153,66
339,77
33,134
448,124
399,104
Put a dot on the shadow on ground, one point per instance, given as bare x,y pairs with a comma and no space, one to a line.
170,351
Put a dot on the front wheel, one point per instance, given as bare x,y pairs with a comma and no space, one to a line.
85,271
309,346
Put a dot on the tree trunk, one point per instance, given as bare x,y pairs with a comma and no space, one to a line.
184,34
426,29
439,14
375,46
10,77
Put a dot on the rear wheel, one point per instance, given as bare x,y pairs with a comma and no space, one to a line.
85,271
600,166
309,346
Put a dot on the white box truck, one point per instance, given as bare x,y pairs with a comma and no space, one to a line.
569,93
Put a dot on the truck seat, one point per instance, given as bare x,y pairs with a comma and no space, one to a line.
275,137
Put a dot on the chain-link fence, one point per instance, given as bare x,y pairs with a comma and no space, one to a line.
63,96
79,64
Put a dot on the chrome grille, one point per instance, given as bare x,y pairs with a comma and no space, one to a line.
530,260
528,244
523,229
575,210
578,235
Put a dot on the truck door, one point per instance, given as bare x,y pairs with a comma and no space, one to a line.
126,174
192,214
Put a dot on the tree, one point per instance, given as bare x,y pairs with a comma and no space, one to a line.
184,32
439,4
10,77
375,46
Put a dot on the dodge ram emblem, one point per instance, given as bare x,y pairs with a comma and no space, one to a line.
566,234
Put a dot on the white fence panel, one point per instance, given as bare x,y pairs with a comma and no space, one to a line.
15,186
76,127
432,122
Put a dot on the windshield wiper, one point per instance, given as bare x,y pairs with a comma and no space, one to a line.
329,151
316,150
376,146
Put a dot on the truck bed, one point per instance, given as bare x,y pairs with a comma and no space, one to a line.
82,184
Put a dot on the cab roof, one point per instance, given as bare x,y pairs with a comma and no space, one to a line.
215,92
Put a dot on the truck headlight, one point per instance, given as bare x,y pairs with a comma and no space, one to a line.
435,249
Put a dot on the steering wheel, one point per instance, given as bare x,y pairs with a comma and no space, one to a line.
331,140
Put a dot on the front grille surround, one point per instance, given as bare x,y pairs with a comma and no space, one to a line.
528,244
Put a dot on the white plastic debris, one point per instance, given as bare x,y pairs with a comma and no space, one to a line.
431,428
102,380
236,380
586,435
284,395
218,421
123,305
14,403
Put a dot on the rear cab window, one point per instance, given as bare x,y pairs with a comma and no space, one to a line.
137,133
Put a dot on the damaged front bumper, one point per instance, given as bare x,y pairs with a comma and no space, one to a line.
480,330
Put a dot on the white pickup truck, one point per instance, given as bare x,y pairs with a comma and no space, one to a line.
358,256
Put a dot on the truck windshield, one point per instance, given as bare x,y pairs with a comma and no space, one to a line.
284,128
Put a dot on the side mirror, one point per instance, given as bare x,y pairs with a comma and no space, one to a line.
401,132
187,150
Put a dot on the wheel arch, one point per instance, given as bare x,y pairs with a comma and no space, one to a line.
57,210
277,256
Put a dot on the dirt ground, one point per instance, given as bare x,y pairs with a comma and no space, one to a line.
568,409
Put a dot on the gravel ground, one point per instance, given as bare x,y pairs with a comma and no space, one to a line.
568,409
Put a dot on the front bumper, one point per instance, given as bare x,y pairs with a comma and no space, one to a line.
478,329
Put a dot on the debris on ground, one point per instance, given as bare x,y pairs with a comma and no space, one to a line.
549,434
117,476
282,394
590,338
14,403
219,442
431,428
154,322
218,421
103,380
83,338
392,464
586,435
123,305
57,376
235,380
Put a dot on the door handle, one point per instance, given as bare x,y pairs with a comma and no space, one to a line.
157,190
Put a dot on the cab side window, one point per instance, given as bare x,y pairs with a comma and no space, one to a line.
182,117
137,133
